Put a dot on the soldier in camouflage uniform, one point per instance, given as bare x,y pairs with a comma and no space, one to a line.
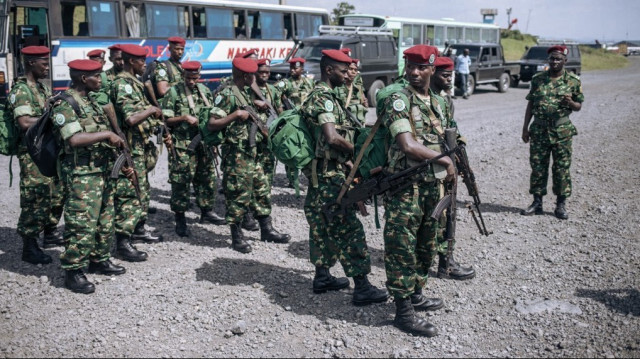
97,55
181,106
169,73
138,118
343,238
41,198
354,89
108,76
554,95
85,163
415,120
245,184
274,99
296,88
441,82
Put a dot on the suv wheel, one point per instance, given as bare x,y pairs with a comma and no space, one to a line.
503,84
376,86
471,85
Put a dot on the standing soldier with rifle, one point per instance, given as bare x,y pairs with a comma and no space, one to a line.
169,73
415,120
244,182
441,83
41,198
270,104
108,76
554,95
342,238
86,160
138,118
181,106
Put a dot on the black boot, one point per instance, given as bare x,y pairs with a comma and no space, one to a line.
238,243
407,321
141,234
52,238
249,223
32,253
181,225
126,251
365,293
106,268
77,282
561,212
420,302
152,210
324,281
534,208
211,217
456,271
268,234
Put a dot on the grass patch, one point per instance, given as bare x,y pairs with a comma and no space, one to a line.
514,49
599,59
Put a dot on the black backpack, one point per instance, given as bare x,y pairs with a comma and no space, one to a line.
40,140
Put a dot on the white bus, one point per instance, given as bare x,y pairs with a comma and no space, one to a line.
215,31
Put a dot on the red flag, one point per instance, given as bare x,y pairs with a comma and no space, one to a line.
514,21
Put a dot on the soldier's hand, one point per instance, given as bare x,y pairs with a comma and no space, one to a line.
129,172
191,120
167,140
241,115
451,172
362,208
157,112
261,105
525,135
115,140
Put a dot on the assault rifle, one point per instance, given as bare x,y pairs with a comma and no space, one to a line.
124,158
195,142
469,179
379,184
163,130
256,125
286,102
273,114
353,117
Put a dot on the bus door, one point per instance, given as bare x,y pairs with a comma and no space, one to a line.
29,26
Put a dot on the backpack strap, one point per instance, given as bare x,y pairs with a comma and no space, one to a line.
201,90
169,70
71,101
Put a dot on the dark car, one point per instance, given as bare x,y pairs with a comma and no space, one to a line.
487,67
535,60
374,47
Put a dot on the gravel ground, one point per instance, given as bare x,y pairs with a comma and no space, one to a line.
544,287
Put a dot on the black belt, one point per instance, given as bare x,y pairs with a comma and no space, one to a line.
86,161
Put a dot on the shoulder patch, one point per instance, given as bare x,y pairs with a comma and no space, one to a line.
59,119
399,105
162,72
328,105
281,84
218,100
128,89
13,98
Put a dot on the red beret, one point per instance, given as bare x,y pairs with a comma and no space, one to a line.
355,61
444,64
247,54
114,47
346,50
36,51
133,50
85,65
560,48
337,55
177,40
191,65
264,62
245,65
421,54
96,53
297,61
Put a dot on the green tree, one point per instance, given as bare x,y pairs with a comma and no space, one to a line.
343,8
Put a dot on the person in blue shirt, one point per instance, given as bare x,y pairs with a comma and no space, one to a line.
463,62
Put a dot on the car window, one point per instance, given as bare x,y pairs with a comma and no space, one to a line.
369,50
313,50
387,49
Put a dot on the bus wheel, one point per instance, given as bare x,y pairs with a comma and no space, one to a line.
376,86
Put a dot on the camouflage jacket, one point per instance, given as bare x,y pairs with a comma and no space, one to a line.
176,103
26,99
273,95
547,94
296,90
92,119
173,76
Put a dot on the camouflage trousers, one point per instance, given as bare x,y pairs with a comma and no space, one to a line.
245,184
268,162
544,145
343,238
192,167
128,208
88,218
410,237
441,243
41,199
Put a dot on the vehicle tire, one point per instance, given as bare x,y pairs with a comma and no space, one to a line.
471,84
503,84
376,86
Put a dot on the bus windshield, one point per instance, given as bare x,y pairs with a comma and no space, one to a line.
313,50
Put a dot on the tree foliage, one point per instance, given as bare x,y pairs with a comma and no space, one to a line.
343,8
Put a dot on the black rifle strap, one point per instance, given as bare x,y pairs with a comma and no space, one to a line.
71,101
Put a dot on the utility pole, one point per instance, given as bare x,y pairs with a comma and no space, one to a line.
508,18
526,29
283,2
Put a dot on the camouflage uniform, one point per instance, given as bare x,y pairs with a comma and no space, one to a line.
41,198
173,76
265,156
190,167
89,213
355,103
128,97
244,176
342,239
551,131
108,77
409,233
296,90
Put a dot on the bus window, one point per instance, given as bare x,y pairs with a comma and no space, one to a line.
455,35
288,26
438,37
166,20
135,20
239,24
102,18
429,34
253,21
489,35
219,24
307,25
272,25
472,35
411,35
